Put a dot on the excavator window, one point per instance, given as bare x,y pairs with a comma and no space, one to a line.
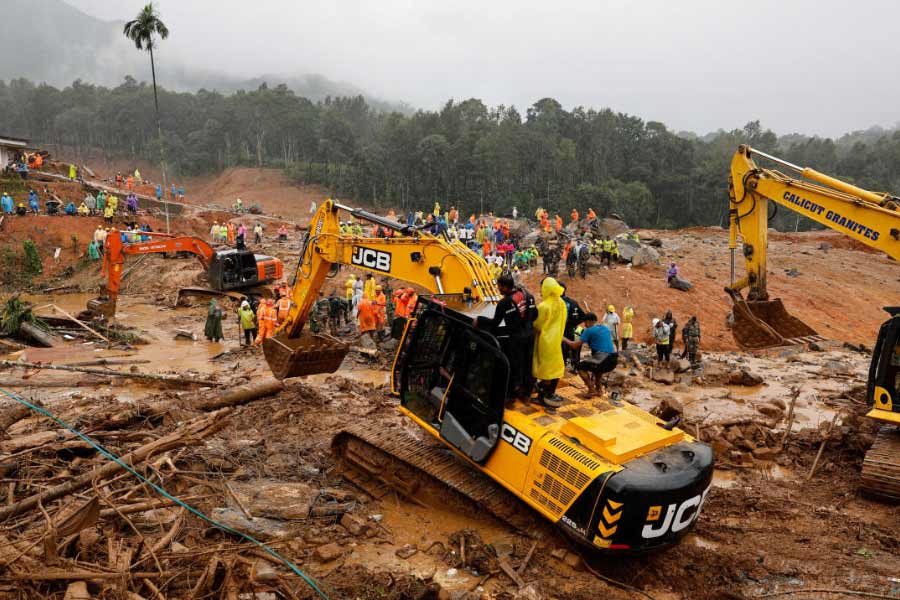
884,370
456,379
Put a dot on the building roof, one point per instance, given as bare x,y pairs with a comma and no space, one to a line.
13,142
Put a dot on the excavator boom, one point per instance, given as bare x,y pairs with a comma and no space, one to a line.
226,270
868,217
418,257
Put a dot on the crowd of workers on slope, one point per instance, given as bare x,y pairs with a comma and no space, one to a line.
22,162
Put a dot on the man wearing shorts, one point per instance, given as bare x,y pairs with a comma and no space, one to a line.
603,358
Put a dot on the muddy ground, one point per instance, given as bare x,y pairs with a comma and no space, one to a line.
768,526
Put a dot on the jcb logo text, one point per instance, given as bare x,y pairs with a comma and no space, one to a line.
371,259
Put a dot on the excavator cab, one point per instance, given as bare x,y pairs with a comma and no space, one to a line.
880,476
239,269
455,378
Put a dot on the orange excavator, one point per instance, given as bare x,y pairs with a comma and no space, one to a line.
226,270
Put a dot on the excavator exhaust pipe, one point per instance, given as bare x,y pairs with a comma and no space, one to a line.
762,324
307,355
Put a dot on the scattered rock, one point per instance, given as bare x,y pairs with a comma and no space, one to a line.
770,410
824,246
275,500
529,592
263,571
184,333
328,552
406,551
815,347
834,367
681,365
668,409
573,560
664,377
779,403
744,377
645,256
721,446
792,273
257,527
353,524
558,553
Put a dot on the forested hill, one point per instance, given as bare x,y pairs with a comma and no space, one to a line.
51,41
465,154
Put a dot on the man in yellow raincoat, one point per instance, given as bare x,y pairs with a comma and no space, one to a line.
547,364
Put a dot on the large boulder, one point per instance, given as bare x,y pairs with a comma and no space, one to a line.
610,227
645,256
627,248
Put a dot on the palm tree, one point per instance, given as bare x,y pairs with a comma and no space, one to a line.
141,31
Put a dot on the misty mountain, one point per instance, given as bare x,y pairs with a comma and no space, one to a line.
50,41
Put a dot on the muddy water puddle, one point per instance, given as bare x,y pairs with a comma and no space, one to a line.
375,377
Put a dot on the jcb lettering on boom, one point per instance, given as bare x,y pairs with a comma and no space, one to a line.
371,259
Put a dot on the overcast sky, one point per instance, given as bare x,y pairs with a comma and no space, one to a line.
819,67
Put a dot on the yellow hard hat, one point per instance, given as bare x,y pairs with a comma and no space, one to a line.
610,308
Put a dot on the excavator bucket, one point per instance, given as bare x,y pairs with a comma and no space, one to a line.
307,355
766,324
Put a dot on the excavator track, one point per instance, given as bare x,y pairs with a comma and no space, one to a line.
881,466
382,459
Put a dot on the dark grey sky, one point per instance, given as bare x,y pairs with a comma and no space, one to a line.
824,67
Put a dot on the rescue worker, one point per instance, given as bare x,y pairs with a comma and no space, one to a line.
627,326
547,364
574,316
213,329
516,311
335,311
248,322
348,287
6,203
101,202
574,215
258,231
89,200
108,213
559,223
661,337
137,177
672,324
21,210
34,201
214,232
284,307
591,215
606,254
380,308
282,233
358,288
691,336
604,355
73,172
366,318
82,210
369,287
266,317
672,273
230,233
93,251
318,315
611,320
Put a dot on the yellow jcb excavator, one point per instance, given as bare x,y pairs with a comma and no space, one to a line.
607,473
760,322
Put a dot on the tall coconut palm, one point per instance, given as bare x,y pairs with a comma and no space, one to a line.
142,31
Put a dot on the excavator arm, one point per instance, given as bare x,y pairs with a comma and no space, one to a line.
415,256
114,258
869,217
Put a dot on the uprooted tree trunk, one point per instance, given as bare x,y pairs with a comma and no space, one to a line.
189,435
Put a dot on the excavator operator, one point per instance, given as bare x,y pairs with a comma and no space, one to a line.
512,325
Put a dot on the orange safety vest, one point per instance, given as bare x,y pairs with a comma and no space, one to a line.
284,306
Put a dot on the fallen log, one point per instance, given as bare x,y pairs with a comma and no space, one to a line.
110,373
241,395
13,415
188,435
67,383
38,335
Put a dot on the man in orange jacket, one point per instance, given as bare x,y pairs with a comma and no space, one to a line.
380,308
367,318
266,317
574,215
284,307
559,223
